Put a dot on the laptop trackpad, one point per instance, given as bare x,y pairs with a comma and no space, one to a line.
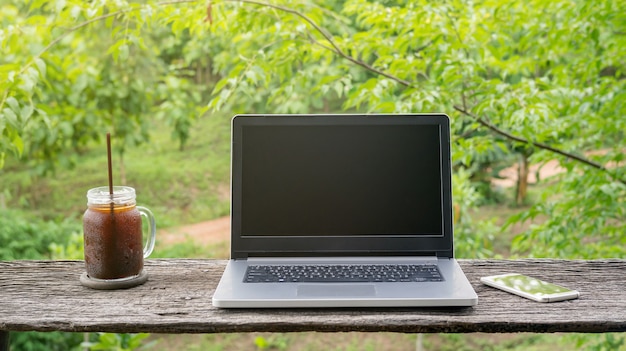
334,290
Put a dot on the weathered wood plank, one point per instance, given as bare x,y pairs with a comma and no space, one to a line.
47,296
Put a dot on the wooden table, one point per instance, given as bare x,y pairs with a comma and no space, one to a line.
47,296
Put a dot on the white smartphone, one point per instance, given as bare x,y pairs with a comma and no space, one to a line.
530,288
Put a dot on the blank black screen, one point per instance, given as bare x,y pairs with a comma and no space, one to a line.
341,180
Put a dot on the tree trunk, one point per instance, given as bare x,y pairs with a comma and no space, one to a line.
522,180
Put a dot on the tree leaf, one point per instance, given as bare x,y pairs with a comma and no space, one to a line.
26,113
11,118
13,104
41,66
18,143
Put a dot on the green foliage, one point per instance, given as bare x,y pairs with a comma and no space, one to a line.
512,342
24,236
275,342
76,69
604,342
472,238
72,250
119,342
52,341
593,227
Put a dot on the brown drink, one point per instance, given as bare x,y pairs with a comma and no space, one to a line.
113,234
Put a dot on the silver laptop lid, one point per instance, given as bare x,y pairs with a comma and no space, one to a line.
341,185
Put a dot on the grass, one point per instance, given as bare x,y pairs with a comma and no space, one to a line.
180,187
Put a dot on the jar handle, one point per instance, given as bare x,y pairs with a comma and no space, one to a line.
147,250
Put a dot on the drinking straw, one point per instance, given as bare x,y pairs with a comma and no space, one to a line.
110,168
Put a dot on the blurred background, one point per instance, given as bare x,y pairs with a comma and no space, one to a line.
535,89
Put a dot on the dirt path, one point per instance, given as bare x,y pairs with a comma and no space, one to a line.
213,231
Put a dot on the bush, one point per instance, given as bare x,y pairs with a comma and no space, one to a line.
53,341
25,237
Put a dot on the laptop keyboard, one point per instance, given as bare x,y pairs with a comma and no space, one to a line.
343,273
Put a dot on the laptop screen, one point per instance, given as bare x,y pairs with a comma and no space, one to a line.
341,180
340,183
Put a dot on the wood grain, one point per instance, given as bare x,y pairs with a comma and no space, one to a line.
47,296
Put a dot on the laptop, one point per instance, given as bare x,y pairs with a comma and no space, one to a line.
341,211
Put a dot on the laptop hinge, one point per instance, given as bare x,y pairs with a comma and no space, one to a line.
344,259
351,256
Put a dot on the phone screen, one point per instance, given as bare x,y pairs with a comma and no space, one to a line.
529,285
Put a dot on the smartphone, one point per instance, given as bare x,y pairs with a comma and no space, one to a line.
530,288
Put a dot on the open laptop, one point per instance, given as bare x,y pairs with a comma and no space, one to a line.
341,211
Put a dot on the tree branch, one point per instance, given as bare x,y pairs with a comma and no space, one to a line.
512,137
335,48
53,43
77,27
